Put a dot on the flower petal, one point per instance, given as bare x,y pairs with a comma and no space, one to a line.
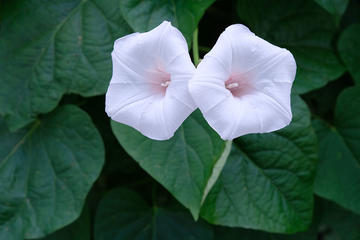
243,84
149,86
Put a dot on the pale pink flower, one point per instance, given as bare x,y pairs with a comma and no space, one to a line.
243,84
149,86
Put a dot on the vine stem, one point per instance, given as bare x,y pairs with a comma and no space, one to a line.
195,48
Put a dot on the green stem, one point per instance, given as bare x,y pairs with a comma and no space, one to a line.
195,48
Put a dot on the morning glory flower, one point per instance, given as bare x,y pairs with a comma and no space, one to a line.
149,86
243,84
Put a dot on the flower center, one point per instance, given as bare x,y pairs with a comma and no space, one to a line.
165,84
158,80
232,85
164,80
238,85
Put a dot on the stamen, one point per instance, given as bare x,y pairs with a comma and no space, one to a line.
232,85
165,84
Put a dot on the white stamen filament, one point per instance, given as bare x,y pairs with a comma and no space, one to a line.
232,85
165,84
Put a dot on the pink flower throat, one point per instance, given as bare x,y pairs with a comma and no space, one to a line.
238,85
160,80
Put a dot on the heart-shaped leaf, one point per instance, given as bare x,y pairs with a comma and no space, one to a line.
49,48
267,182
46,171
123,214
187,165
338,174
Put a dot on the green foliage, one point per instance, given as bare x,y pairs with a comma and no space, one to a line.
78,230
55,67
226,233
123,214
331,222
350,40
144,15
267,181
73,43
44,47
46,170
187,165
335,7
338,174
302,27
336,223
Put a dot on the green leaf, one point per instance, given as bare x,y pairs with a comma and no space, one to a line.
78,230
226,233
335,7
49,48
348,46
123,214
187,165
267,182
143,15
338,174
302,27
337,223
46,171
330,222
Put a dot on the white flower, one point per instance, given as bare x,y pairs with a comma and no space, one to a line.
243,84
149,86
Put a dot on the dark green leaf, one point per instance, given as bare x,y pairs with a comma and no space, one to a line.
349,45
352,13
78,230
225,233
335,7
305,29
143,15
338,174
267,182
330,222
338,224
124,215
187,165
49,48
46,171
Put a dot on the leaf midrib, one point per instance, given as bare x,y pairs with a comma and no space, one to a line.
290,204
20,143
